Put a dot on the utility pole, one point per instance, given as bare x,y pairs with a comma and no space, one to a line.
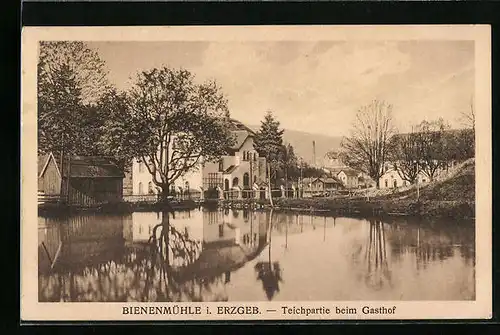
301,183
314,153
418,186
251,181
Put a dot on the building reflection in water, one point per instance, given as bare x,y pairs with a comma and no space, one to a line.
378,273
125,258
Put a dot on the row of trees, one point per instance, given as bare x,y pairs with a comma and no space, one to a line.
165,119
284,165
429,147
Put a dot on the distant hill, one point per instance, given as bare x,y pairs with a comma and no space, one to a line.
302,143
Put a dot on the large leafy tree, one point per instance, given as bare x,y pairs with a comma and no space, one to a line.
269,143
71,79
368,147
172,124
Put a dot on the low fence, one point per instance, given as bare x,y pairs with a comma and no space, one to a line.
152,198
259,194
48,198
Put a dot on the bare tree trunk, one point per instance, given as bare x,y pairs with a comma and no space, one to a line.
165,240
286,181
61,160
269,184
68,178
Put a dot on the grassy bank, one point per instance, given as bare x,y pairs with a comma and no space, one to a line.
452,196
454,209
115,208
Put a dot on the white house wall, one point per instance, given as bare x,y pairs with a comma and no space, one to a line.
195,178
392,175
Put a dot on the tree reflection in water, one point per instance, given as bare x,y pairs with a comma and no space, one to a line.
378,273
270,273
142,272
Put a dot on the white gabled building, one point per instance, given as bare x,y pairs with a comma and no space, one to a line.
392,179
241,169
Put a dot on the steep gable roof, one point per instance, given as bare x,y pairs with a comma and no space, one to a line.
44,161
240,137
349,172
237,125
85,166
331,180
240,132
94,166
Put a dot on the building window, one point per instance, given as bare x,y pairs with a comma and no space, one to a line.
246,180
386,183
235,182
141,191
221,231
221,165
141,167
395,183
150,188
226,184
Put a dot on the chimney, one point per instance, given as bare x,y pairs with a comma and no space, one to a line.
314,153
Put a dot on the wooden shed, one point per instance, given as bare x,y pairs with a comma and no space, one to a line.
92,179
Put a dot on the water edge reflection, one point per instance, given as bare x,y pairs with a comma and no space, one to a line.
221,255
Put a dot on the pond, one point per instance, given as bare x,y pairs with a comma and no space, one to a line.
240,255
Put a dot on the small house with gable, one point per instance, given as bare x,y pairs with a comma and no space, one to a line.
80,180
349,177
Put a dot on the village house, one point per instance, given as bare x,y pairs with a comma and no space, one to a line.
319,185
349,177
239,174
80,180
391,178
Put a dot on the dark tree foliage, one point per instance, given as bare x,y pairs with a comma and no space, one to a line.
269,143
71,79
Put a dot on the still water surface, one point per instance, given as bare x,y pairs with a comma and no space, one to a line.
237,255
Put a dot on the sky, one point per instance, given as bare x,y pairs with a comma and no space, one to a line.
317,86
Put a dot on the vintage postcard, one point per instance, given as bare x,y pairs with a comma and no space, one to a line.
256,173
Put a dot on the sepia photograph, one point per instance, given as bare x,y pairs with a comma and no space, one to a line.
256,172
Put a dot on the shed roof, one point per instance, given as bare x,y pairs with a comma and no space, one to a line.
86,166
331,180
349,172
230,169
94,166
